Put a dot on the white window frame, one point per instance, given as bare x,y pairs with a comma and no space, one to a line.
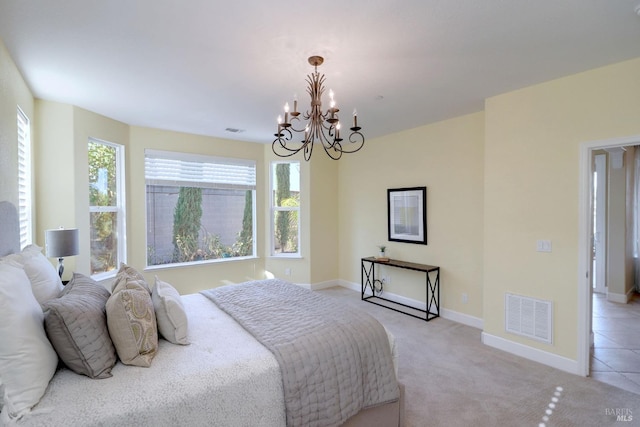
275,209
25,201
212,178
119,209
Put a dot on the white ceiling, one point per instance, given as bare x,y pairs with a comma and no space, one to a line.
202,66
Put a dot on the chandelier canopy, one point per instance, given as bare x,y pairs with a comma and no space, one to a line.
316,127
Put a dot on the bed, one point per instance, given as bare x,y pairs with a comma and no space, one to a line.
231,373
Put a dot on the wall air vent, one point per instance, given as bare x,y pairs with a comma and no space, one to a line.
529,317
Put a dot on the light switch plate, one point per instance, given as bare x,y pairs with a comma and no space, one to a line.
543,245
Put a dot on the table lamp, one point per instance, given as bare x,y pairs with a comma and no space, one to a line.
60,243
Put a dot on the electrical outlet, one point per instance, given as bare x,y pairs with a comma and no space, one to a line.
465,298
287,272
386,279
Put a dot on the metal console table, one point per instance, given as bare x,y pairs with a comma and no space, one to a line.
432,285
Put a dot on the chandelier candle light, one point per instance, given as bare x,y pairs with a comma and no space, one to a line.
320,128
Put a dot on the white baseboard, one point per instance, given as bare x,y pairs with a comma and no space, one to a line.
620,298
454,316
350,285
465,319
534,354
324,285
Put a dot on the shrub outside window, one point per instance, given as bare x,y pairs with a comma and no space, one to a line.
199,208
285,208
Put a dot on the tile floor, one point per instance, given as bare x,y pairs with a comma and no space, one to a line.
615,357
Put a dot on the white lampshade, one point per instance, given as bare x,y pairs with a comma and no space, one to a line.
62,242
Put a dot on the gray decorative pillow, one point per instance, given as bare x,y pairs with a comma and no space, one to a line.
170,314
76,325
132,324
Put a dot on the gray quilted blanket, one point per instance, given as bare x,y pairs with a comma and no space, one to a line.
334,361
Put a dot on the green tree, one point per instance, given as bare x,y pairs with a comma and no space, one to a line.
244,244
186,223
283,192
102,175
292,242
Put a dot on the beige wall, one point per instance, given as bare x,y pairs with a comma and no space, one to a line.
318,260
531,188
324,216
617,226
447,158
54,171
62,172
619,218
14,92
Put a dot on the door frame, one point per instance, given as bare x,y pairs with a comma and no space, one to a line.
600,236
585,229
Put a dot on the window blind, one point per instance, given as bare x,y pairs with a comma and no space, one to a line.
195,170
24,178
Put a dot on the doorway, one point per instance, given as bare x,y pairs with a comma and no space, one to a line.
592,225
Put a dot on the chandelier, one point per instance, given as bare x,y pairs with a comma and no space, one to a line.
316,127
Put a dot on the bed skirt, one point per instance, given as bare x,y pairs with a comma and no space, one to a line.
388,415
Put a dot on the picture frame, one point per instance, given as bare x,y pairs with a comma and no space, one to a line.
407,215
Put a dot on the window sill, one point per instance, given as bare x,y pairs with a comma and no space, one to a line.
286,256
105,277
198,263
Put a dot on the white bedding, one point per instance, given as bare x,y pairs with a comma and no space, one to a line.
223,378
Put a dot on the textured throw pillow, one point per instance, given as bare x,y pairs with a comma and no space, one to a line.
27,360
170,314
45,282
128,275
132,324
76,324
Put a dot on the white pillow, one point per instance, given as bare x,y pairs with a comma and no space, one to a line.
27,359
45,282
170,314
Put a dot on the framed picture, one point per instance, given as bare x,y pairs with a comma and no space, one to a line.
407,214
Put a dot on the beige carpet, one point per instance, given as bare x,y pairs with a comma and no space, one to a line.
452,379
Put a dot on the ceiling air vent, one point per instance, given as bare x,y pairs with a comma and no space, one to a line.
529,317
234,130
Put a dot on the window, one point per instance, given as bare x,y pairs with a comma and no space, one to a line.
24,178
199,208
285,208
106,207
